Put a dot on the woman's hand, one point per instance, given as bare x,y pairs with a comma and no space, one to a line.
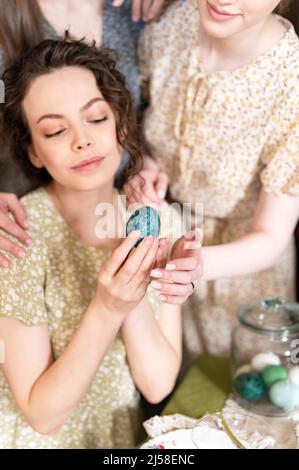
147,188
174,283
143,9
10,203
124,278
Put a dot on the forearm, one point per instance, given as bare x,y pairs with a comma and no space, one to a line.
153,360
59,390
251,253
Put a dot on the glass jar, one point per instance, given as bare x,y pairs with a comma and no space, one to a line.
265,357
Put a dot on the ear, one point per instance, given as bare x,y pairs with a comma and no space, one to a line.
33,157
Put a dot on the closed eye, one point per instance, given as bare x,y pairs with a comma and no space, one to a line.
48,136
94,121
97,121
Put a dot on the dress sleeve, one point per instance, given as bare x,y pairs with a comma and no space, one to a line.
22,286
281,172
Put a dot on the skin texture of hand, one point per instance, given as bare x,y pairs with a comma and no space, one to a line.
184,267
9,203
145,10
124,278
148,187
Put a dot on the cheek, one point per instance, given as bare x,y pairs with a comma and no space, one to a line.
48,152
260,8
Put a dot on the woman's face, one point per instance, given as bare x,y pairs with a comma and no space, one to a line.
226,18
72,128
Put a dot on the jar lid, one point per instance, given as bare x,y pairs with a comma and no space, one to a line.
270,316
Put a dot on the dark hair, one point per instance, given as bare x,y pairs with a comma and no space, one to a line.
21,27
46,57
283,6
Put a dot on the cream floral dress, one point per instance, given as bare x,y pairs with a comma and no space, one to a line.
54,285
221,137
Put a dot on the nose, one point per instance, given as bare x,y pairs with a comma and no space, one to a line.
82,140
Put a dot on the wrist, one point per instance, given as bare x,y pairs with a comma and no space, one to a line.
98,306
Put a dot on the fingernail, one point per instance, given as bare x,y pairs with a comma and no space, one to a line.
194,245
155,273
21,254
149,240
163,297
156,285
5,264
200,233
134,18
170,267
135,234
25,223
28,241
161,194
189,234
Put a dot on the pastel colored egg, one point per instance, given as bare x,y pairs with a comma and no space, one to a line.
250,386
262,360
147,220
294,375
272,374
284,394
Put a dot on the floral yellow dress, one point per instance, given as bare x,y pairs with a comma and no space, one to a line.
53,285
221,137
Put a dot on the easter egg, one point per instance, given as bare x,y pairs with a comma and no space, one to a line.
262,360
250,386
284,394
147,220
272,374
294,375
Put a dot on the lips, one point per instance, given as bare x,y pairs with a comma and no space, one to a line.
88,162
220,13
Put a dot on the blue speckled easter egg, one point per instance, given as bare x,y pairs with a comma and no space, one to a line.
147,220
250,386
273,374
284,394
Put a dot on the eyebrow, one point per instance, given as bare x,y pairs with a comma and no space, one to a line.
59,116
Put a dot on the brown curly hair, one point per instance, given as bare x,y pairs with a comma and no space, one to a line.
283,6
42,59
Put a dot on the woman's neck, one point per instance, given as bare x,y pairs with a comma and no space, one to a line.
236,51
82,18
78,209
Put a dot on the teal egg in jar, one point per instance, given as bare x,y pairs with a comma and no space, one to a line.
265,357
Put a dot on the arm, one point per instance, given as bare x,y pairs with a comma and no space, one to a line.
153,348
142,9
9,203
47,391
271,229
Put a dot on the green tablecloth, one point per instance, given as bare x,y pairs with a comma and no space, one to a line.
204,388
